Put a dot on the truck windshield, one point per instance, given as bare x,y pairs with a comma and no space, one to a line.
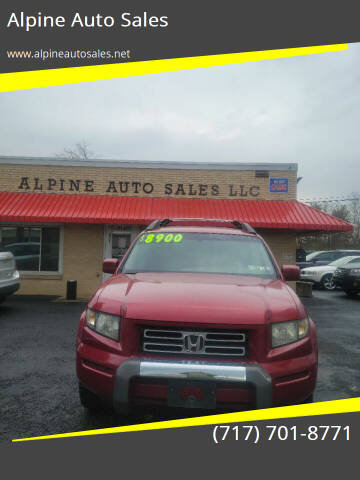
200,253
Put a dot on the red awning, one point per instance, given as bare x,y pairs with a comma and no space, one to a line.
42,207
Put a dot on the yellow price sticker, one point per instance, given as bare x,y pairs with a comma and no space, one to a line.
161,238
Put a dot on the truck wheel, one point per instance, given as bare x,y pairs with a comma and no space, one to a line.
89,400
2,299
327,282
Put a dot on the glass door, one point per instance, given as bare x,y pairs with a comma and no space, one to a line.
117,239
120,242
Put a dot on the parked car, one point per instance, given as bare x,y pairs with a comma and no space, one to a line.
197,314
322,275
9,276
347,277
325,257
26,254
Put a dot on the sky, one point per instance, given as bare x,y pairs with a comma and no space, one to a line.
302,109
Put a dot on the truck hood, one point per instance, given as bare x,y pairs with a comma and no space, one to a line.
198,298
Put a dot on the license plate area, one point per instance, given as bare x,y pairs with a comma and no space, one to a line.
191,394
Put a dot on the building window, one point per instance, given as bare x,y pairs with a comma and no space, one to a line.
36,249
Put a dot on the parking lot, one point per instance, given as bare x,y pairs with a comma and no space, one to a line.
38,386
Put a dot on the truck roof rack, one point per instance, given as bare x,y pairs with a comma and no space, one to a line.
217,222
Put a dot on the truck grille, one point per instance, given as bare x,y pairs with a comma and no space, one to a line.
227,343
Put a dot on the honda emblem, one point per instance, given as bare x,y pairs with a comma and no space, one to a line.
194,343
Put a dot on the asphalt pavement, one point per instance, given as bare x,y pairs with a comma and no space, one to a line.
38,385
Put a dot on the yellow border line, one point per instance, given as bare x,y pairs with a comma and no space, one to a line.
62,76
320,408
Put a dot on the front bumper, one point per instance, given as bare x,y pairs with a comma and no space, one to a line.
6,290
348,283
310,278
177,370
285,376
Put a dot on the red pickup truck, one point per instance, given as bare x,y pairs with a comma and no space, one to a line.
197,314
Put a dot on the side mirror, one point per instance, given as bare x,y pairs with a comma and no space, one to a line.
110,265
291,273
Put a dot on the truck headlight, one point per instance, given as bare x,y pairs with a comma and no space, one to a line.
355,271
283,333
103,323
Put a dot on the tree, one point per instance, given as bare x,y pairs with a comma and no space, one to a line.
80,151
331,240
341,240
322,206
355,217
341,211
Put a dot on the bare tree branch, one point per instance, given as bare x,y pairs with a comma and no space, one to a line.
80,151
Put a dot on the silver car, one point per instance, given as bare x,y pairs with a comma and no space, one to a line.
322,275
9,276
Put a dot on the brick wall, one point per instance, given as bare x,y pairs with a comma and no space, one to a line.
213,184
282,243
82,261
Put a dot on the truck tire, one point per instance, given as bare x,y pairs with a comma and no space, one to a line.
327,282
89,400
2,299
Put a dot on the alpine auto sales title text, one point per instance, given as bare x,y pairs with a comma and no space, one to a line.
125,20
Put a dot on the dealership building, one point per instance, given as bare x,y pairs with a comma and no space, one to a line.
62,217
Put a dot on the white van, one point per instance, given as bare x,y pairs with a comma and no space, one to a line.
9,276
